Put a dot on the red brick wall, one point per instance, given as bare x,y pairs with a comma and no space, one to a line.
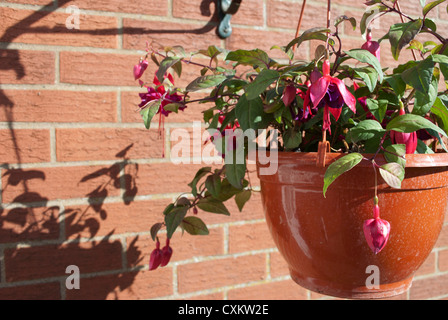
82,181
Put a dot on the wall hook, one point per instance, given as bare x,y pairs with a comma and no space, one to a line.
226,8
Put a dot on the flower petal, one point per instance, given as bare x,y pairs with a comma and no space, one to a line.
349,99
318,89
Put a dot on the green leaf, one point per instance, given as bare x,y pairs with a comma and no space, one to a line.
201,173
254,57
213,184
241,198
292,138
369,76
431,6
194,226
366,57
340,166
149,111
401,34
345,18
397,84
310,34
393,174
424,101
174,218
420,76
165,64
378,108
365,130
369,15
264,79
155,229
205,82
396,153
213,206
441,111
235,174
422,3
250,113
411,122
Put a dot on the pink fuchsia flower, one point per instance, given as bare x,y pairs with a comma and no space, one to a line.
372,46
376,231
333,93
140,68
408,139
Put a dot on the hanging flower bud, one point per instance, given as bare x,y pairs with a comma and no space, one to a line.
408,139
140,68
372,46
289,94
156,257
376,231
167,252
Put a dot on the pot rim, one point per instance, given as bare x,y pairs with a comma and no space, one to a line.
310,158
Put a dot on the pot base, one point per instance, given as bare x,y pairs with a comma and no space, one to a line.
331,288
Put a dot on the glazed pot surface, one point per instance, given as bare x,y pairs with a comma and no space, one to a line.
322,239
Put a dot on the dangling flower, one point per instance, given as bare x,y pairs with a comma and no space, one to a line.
333,93
156,257
167,252
140,68
408,139
372,46
376,231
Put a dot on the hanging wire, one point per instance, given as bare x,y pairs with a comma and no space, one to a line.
299,24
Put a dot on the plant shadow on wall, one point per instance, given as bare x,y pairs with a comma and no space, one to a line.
27,218
33,219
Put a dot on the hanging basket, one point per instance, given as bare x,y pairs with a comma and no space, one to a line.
322,239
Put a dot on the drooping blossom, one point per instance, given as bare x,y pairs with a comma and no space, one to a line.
140,68
155,258
376,231
408,139
167,252
372,46
225,138
333,93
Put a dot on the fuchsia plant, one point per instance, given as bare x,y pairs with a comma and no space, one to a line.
369,112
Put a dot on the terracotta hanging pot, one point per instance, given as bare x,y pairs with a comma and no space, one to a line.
322,239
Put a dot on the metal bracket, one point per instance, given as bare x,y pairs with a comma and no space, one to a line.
226,9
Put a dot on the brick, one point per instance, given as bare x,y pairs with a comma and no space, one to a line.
278,267
208,296
161,34
34,2
225,272
254,236
61,106
52,260
25,67
429,266
105,143
43,184
147,7
24,145
427,288
106,218
125,286
27,224
250,12
249,39
442,241
41,291
185,247
286,14
105,69
443,260
45,27
279,290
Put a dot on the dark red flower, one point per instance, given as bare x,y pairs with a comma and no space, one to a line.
408,139
156,257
